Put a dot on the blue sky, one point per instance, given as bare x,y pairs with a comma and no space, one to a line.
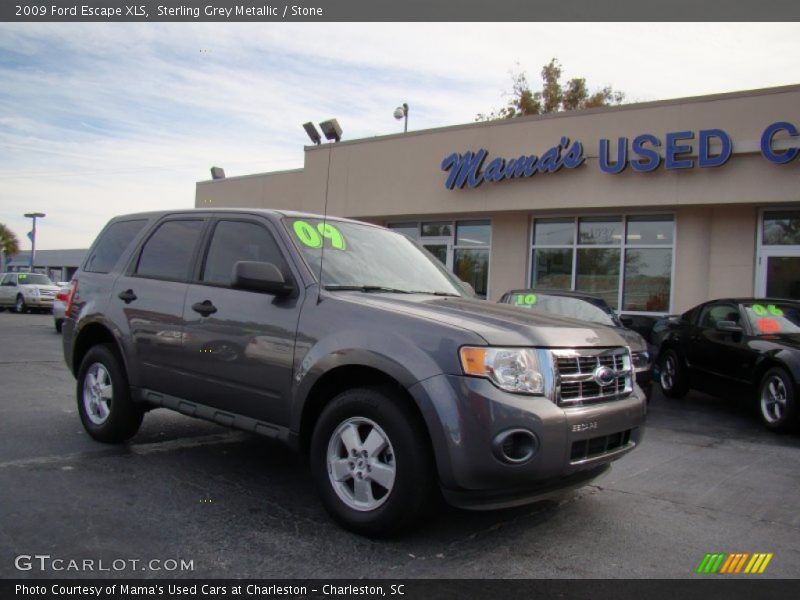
102,119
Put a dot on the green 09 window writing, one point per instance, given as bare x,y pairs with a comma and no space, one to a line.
314,237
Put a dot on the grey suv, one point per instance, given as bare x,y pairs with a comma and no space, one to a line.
352,344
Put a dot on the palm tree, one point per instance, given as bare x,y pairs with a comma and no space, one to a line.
9,244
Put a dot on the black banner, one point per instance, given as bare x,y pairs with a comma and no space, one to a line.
398,10
416,589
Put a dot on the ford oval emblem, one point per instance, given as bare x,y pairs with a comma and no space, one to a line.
604,375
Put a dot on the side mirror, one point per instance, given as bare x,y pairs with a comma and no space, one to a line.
260,277
729,326
468,286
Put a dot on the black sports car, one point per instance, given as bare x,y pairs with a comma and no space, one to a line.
587,307
725,346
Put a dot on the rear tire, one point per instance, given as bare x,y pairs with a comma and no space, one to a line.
672,377
777,404
59,324
104,399
371,461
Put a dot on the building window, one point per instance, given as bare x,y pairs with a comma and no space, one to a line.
626,260
462,246
778,270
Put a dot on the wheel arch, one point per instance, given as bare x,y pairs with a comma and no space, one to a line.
770,363
338,379
91,335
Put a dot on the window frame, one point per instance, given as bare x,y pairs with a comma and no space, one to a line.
622,247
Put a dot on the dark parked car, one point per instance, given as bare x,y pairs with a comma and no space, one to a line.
725,346
591,308
375,361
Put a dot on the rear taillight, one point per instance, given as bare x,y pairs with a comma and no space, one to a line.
61,296
73,288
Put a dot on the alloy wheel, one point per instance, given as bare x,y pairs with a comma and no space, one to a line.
98,393
668,373
773,399
361,464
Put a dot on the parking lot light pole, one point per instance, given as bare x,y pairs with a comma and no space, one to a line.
32,234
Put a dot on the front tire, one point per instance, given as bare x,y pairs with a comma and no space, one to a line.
777,404
104,400
371,461
20,306
672,376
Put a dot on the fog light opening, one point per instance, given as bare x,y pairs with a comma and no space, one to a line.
515,446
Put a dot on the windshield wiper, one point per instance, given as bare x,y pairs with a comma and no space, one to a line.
364,288
435,293
336,287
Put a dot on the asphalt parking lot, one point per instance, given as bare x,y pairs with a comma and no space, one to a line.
707,478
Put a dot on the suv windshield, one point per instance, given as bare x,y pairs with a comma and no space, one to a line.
773,317
566,306
368,258
33,279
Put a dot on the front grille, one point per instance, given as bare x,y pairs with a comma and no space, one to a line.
598,446
577,375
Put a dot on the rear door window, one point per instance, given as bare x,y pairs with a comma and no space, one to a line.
112,243
169,252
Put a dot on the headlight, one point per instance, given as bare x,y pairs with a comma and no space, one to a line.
511,369
33,292
641,360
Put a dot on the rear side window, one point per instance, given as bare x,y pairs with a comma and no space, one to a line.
238,240
112,243
169,252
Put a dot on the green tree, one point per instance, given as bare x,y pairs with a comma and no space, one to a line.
9,244
553,97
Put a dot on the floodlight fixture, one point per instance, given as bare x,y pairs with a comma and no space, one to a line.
331,130
217,173
312,133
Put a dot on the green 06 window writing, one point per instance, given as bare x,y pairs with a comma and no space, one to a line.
314,237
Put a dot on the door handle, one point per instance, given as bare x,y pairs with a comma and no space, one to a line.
205,308
127,296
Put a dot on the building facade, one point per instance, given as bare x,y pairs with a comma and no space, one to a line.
654,206
58,265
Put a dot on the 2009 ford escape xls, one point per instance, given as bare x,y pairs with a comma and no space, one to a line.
378,363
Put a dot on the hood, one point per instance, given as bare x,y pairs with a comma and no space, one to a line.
790,340
498,324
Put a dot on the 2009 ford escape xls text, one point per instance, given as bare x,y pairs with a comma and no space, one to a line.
352,344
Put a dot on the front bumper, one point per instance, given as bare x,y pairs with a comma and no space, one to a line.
465,414
644,379
38,301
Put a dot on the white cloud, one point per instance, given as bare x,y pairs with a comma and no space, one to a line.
102,119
